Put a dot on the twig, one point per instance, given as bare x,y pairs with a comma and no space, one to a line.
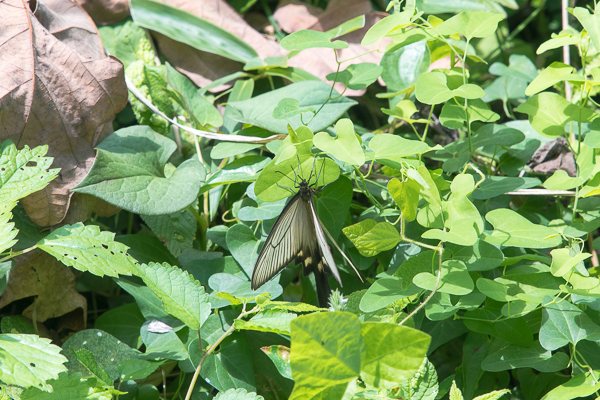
213,347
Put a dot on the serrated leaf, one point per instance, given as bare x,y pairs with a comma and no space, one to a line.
29,361
182,296
267,321
86,248
67,386
8,233
22,172
423,385
495,395
238,394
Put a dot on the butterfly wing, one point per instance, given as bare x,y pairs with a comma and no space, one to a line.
322,242
292,236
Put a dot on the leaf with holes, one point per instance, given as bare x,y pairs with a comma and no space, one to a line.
86,248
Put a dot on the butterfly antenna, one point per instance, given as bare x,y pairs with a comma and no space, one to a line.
332,240
320,171
293,181
312,169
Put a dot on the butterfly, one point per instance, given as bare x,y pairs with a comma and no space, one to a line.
299,235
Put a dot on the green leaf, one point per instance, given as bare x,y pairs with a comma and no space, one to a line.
312,96
391,353
8,233
22,172
454,279
325,354
344,146
464,222
182,296
111,355
385,291
386,25
267,321
506,356
455,393
581,385
551,75
66,386
406,196
310,39
564,261
480,257
494,395
161,341
130,172
564,323
29,361
280,355
348,26
239,170
272,180
423,385
177,231
237,394
191,30
202,111
86,248
590,22
403,64
511,229
357,76
564,38
396,148
512,79
494,186
371,237
231,367
471,24
123,322
432,88
547,113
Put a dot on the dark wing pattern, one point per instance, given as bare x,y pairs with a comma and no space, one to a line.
292,235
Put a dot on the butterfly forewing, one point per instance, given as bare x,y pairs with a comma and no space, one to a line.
322,242
292,235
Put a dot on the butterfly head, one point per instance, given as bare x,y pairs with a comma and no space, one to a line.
305,189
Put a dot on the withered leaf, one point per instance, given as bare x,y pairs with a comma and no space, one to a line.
51,284
57,87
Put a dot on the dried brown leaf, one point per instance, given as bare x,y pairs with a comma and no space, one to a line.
58,88
106,11
296,15
51,284
201,67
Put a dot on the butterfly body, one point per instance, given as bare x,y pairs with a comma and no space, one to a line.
296,235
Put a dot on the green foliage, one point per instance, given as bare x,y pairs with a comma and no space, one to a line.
455,170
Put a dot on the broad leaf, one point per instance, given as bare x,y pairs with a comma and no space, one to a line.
511,229
371,237
131,172
344,146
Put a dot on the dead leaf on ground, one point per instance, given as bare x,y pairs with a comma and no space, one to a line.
296,15
321,62
106,11
57,87
51,284
201,67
